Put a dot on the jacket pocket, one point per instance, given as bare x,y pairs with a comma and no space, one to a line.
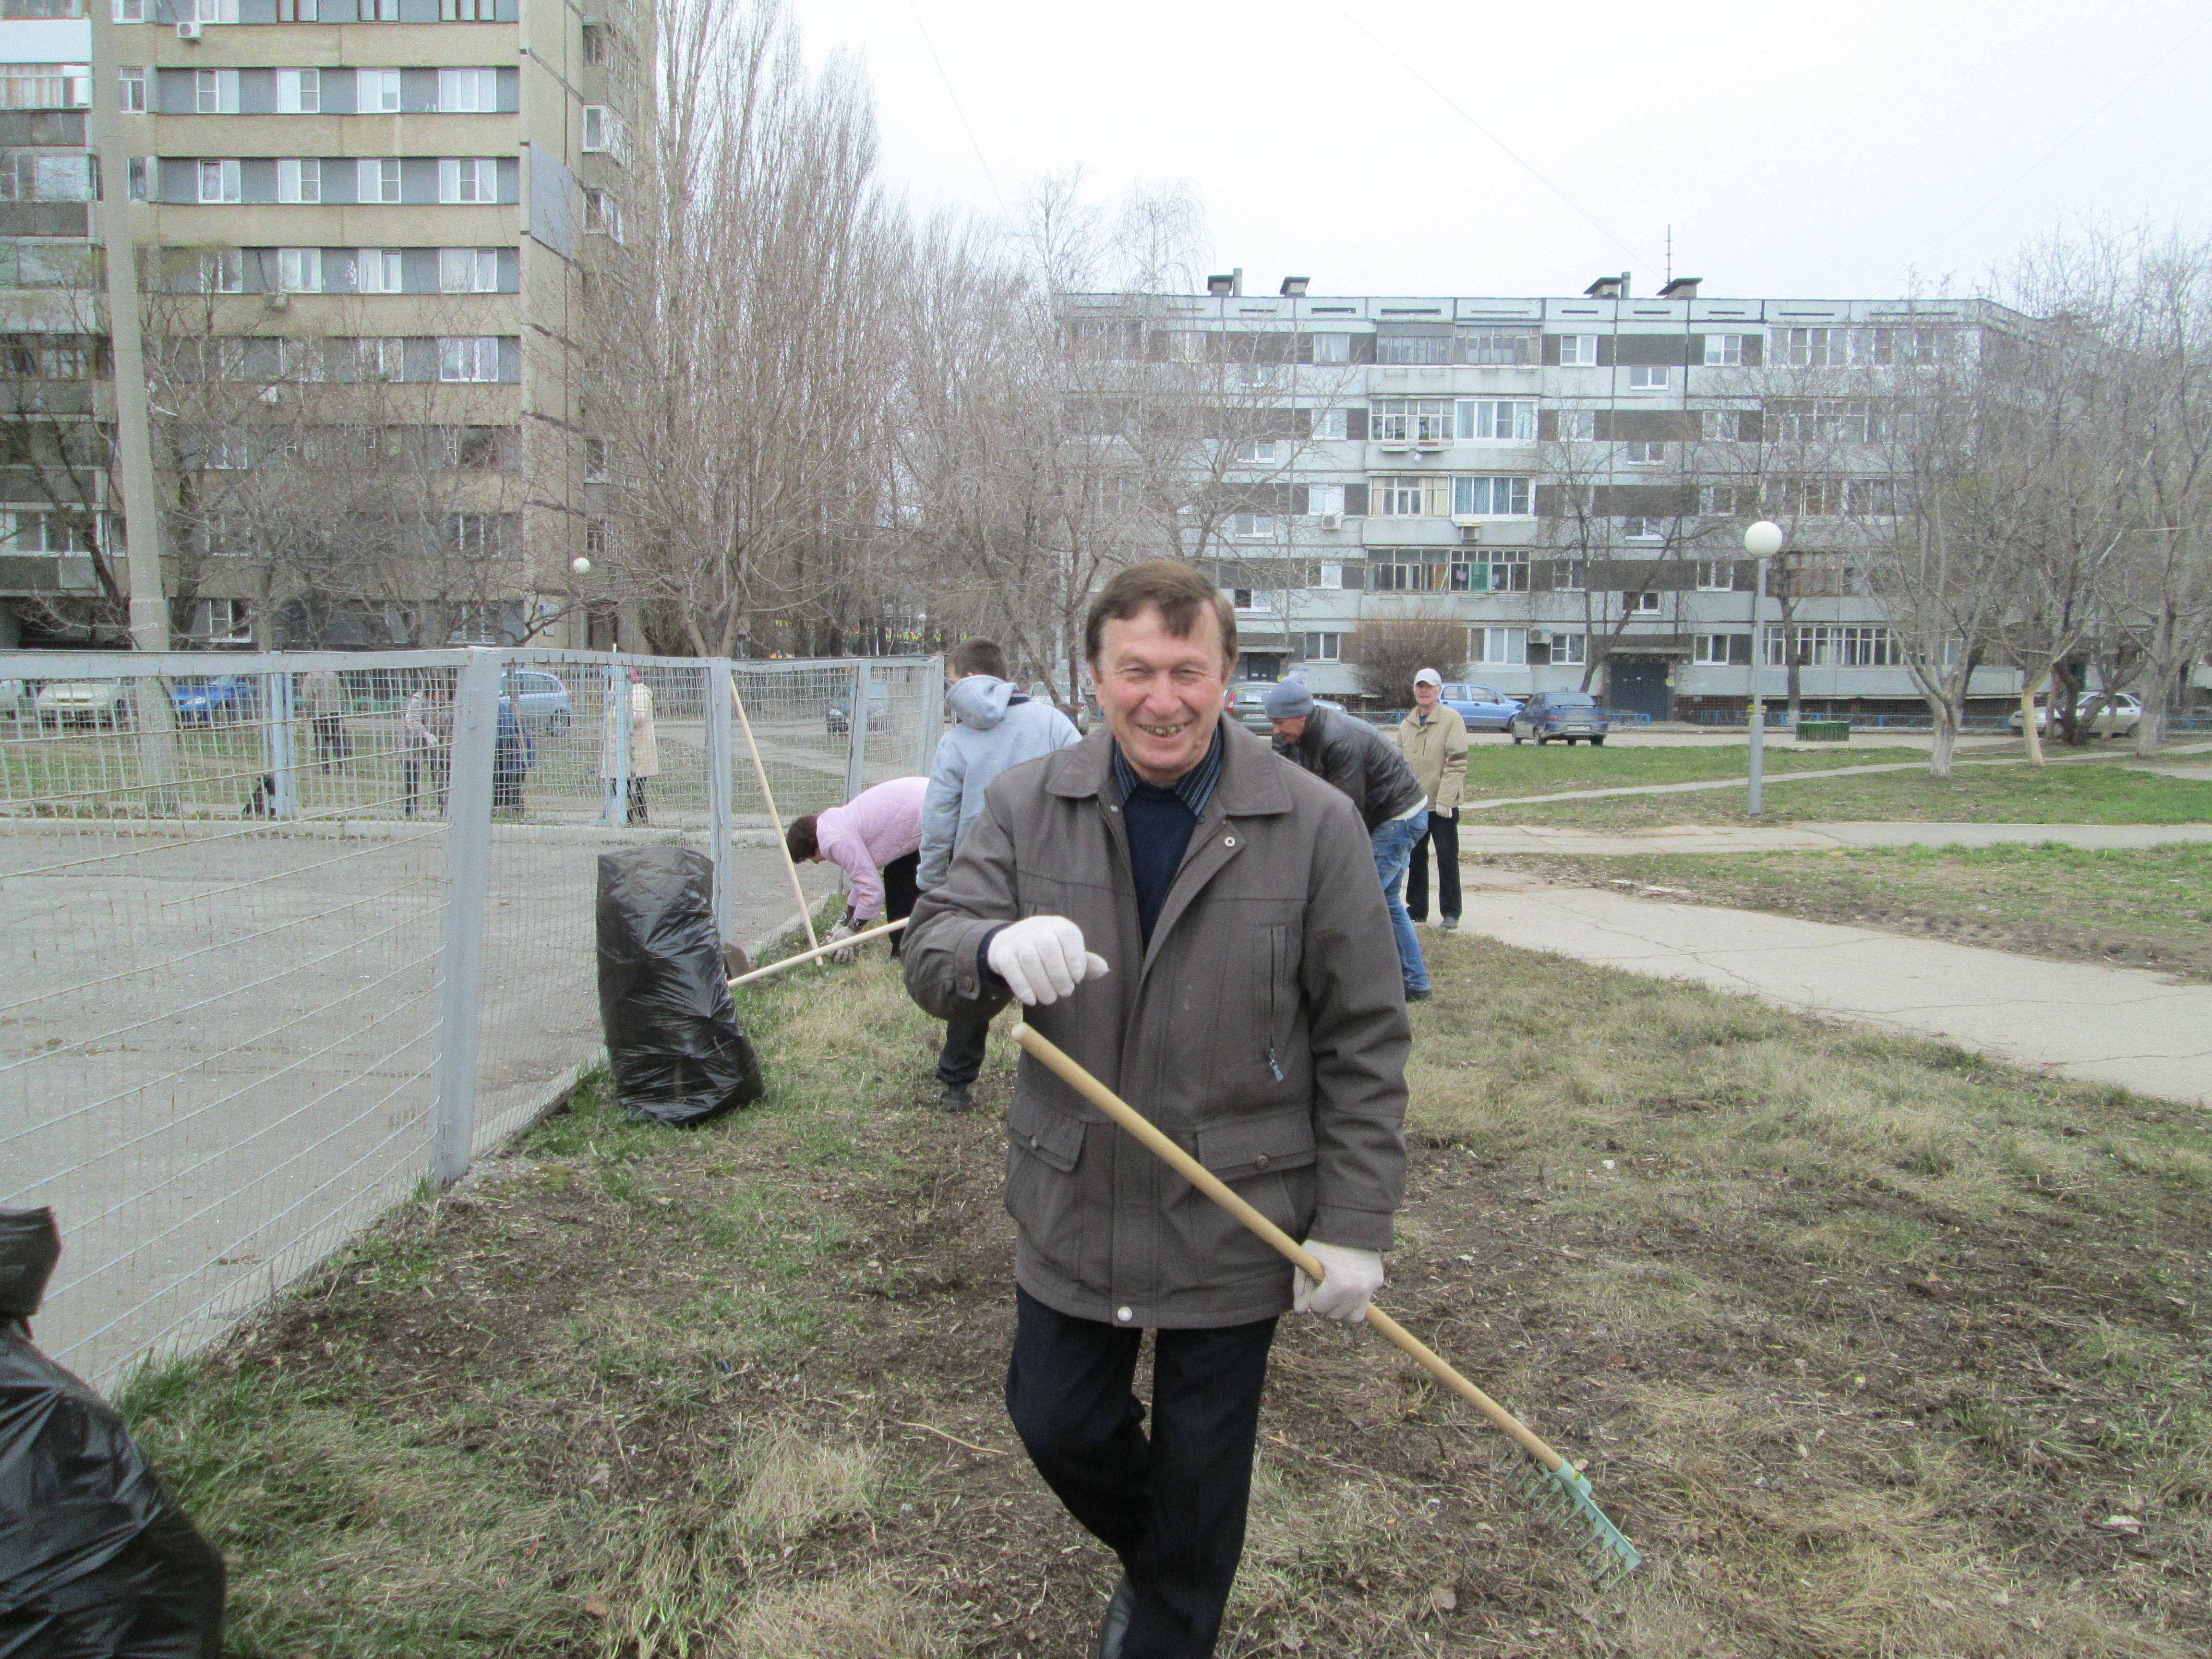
1044,1182
1267,1160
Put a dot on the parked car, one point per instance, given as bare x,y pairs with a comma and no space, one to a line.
1571,716
2119,717
1485,708
96,702
1248,708
15,699
839,721
540,701
227,697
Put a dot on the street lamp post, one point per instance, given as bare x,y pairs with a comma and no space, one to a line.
1762,541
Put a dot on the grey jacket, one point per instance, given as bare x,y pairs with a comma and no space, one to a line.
1264,1028
1351,754
994,731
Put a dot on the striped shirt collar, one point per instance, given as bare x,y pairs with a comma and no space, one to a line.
1194,789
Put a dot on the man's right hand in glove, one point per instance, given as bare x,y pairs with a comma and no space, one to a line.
842,930
1041,958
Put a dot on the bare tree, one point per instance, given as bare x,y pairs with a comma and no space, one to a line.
1395,649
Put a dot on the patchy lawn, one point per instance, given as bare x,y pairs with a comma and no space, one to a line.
1498,768
2140,908
1874,1349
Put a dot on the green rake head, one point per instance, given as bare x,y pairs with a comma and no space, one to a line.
1561,1498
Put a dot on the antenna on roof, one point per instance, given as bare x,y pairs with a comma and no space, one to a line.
1670,253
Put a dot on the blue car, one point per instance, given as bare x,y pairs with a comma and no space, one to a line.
1483,707
227,698
1570,716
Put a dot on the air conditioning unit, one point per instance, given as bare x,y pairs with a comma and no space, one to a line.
189,31
277,301
1332,521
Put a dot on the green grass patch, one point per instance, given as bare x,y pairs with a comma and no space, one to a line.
1496,767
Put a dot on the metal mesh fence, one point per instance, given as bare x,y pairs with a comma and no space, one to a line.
289,934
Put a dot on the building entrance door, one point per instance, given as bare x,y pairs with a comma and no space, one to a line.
1260,665
1637,686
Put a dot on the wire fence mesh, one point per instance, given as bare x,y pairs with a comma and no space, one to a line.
276,924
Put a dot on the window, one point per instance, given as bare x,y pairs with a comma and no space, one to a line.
595,43
377,12
1578,351
1410,496
297,11
26,176
1716,576
1324,498
212,11
1728,501
1495,347
468,91
1322,648
376,179
375,91
1331,347
595,537
595,460
299,269
376,271
1823,645
219,181
33,531
1648,377
476,358
465,11
300,179
1570,576
1330,425
1718,426
1498,646
1507,570
215,92
1636,529
45,86
1415,348
221,271
129,11
221,622
1499,419
1724,350
142,178
1721,650
134,91
468,271
1640,604
380,358
602,129
1332,576
1578,426
1869,497
1500,497
1395,573
298,91
468,178
1643,452
1251,527
1570,648
474,535
1844,420
602,214
1254,599
1256,452
1401,421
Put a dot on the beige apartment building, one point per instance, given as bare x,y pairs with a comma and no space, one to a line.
363,230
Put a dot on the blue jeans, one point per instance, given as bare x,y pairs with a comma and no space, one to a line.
1394,851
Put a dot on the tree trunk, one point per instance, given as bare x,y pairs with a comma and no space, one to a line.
1946,737
2027,732
2156,685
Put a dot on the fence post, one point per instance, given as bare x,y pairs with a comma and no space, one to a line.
932,713
284,801
856,763
614,727
468,856
720,755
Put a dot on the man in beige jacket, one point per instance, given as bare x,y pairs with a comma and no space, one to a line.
1433,739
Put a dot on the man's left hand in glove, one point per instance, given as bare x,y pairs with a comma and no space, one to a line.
844,929
1352,1277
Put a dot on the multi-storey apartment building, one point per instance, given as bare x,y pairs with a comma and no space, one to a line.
1566,480
362,227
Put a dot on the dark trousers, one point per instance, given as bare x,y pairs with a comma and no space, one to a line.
1172,1505
900,892
961,1061
1445,832
410,774
636,813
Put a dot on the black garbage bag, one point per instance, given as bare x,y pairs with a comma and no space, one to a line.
96,1561
672,1036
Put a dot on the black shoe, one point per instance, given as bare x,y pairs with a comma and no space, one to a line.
956,1099
1412,995
1447,922
1115,1625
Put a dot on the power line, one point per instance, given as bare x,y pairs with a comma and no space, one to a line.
957,108
1382,47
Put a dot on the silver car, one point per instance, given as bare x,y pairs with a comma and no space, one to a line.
96,702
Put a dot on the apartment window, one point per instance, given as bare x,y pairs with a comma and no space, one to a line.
221,622
1324,498
1251,527
472,359
380,358
47,362
221,271
1721,650
1498,646
376,179
1506,570
1578,426
602,128
219,181
134,91
1869,497
297,11
1332,576
377,12
1716,576
1330,425
376,271
376,91
1256,452
468,91
468,271
1410,496
595,45
1396,572
465,11
1723,350
1570,576
215,92
1718,426
1499,348
1640,604
213,11
1322,648
602,214
1504,496
45,86
1499,419
1643,452
129,11
595,537
299,269
1635,529
1840,420
26,176
300,179
1823,645
468,178
474,535
298,91
1331,347
1648,377
1570,648
1422,349
595,460
1578,351
1411,421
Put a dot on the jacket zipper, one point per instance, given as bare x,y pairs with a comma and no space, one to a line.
1274,972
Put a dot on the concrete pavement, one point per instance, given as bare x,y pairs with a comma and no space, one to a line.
2139,1030
1476,837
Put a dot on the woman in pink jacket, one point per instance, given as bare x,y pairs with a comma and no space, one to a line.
875,838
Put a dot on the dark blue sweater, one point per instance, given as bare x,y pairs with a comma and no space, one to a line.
1159,830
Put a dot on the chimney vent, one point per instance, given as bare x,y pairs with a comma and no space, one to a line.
1682,287
1295,287
1221,287
1609,287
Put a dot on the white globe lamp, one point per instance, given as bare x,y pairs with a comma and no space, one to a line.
580,565
1763,540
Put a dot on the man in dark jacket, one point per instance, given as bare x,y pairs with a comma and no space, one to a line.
1248,1012
1351,755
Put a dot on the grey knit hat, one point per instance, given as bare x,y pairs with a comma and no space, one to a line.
1287,699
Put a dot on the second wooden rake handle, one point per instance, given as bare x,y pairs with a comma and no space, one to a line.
1055,1059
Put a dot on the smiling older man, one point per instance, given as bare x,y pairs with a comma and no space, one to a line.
1252,1011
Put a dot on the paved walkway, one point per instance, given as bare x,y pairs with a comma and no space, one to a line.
2119,1026
1476,837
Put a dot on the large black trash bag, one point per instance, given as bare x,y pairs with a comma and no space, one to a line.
672,1036
96,1562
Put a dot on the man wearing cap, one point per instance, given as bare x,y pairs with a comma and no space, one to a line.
1433,740
1351,755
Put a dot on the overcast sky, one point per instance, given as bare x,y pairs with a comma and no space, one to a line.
1813,152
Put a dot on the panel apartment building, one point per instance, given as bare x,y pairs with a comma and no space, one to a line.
362,227
1567,480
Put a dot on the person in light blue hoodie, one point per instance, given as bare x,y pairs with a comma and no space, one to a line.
996,727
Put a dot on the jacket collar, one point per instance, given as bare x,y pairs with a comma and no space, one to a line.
1251,783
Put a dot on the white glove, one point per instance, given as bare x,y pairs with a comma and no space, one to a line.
842,930
1041,958
1353,1276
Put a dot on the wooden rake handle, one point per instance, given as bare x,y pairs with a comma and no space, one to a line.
819,952
1050,1054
